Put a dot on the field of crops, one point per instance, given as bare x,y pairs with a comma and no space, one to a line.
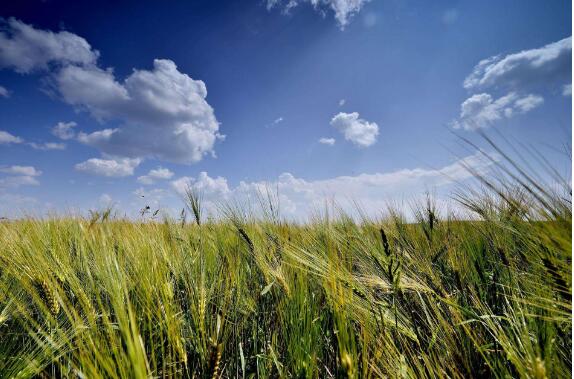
248,296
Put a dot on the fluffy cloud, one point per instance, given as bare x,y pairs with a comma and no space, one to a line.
118,167
64,130
4,92
481,110
7,138
164,111
299,197
212,187
344,10
24,48
327,141
518,72
524,69
361,132
152,176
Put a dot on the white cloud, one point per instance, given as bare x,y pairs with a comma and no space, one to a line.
299,197
528,102
159,173
481,110
361,132
275,122
20,170
25,49
118,167
17,181
64,130
164,111
4,92
342,102
524,69
327,141
19,176
48,146
567,90
204,184
344,10
7,138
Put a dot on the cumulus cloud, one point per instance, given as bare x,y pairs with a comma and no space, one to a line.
343,10
64,130
4,92
298,197
7,138
48,146
524,69
481,110
24,48
361,132
213,187
164,111
154,175
117,167
327,141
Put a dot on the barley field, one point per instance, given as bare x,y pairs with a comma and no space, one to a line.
248,296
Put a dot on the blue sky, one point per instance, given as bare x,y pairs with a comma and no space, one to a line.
105,102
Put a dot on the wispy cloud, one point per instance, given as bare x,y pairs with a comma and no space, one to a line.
343,10
4,92
154,175
48,146
525,69
327,141
64,130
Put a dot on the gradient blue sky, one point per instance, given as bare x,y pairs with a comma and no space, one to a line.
382,83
